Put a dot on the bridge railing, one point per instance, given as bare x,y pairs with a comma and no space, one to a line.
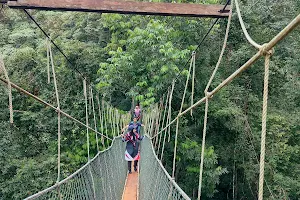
154,181
103,177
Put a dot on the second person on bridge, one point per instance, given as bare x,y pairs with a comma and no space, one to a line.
135,124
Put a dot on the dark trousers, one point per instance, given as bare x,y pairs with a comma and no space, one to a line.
134,165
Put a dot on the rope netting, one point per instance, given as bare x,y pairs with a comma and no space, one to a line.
108,169
154,181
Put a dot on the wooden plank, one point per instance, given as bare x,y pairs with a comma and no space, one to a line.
125,7
131,187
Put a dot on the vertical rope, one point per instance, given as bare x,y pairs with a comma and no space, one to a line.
3,69
118,121
108,118
49,51
264,127
206,102
181,106
114,121
193,82
86,118
203,148
94,115
104,118
165,132
158,139
151,122
48,59
87,133
101,120
170,109
163,120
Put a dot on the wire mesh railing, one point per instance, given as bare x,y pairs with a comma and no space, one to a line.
154,181
102,178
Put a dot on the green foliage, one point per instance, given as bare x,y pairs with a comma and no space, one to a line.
189,155
134,63
138,56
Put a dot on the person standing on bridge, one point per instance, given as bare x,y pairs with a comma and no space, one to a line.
135,124
137,112
132,147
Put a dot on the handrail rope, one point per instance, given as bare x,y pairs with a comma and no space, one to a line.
9,84
264,122
94,116
49,105
250,40
87,134
206,102
291,26
34,196
181,106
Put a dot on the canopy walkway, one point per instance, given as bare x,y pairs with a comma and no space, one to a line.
104,176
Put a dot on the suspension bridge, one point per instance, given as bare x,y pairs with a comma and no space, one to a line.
105,175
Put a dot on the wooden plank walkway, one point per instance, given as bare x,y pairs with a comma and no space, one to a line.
131,187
